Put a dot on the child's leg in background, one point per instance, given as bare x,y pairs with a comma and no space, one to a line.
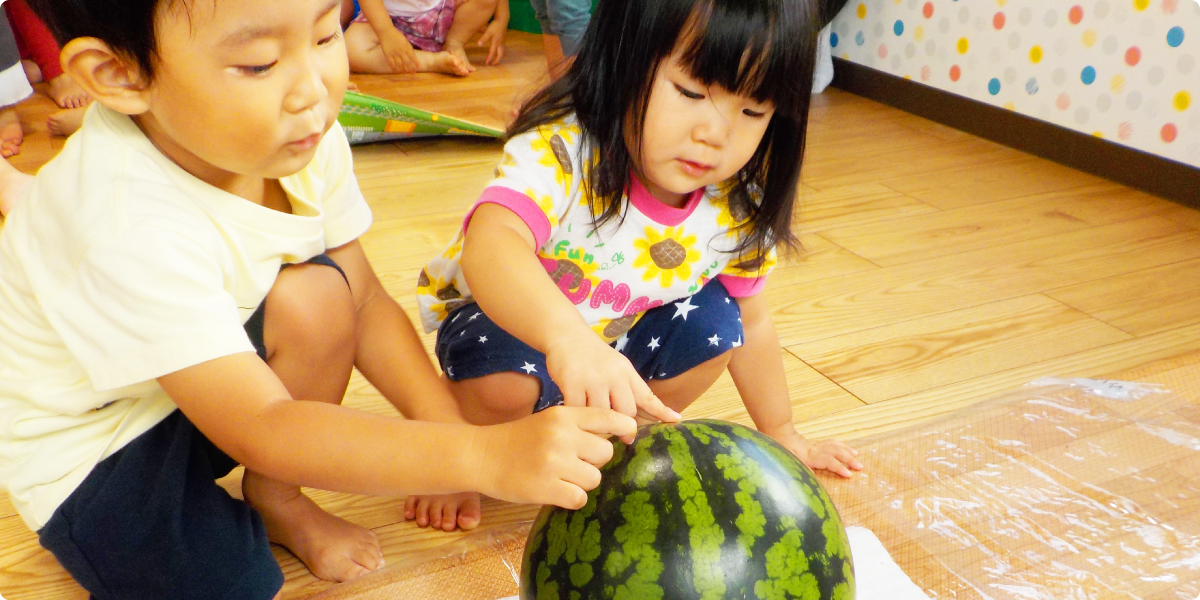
14,87
469,17
308,333
563,25
37,43
366,53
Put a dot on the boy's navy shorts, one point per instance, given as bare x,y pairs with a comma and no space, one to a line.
150,522
669,340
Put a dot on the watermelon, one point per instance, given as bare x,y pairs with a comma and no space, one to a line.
698,509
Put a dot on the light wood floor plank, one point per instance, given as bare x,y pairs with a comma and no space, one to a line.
1139,302
903,358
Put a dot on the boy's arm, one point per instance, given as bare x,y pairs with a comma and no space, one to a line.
245,410
390,354
757,371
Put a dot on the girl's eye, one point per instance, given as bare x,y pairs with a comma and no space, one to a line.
255,69
337,34
688,93
754,114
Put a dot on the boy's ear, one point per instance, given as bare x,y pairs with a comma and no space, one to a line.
108,77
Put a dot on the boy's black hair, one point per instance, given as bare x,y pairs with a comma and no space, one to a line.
127,26
765,49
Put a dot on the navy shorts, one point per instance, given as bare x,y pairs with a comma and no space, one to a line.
149,522
669,340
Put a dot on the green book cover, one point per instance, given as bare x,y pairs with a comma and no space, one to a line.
369,119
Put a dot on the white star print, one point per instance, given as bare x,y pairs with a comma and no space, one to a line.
714,340
450,371
738,343
622,342
683,307
462,332
653,345
456,316
529,368
727,301
474,316
483,339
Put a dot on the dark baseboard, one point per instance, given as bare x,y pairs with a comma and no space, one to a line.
1141,170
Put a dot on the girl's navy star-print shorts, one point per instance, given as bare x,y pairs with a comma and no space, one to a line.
669,340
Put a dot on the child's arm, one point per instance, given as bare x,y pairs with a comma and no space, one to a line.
493,34
757,371
396,48
239,403
510,285
389,353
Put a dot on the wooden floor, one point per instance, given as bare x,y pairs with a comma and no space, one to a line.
939,270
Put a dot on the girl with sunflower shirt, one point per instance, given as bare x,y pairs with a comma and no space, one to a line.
619,254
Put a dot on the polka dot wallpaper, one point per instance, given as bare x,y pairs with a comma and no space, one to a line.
1122,70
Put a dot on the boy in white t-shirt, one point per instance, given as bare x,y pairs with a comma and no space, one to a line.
194,247
413,36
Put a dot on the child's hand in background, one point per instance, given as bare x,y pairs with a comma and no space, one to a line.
830,455
550,457
493,38
591,373
447,512
399,52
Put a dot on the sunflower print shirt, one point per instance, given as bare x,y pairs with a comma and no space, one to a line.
656,255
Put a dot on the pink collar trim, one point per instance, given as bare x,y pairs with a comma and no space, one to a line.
660,213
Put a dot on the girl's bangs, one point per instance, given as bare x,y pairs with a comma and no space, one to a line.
748,47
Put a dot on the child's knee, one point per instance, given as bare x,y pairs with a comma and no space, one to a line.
310,309
498,397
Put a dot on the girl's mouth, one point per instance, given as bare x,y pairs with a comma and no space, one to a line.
694,169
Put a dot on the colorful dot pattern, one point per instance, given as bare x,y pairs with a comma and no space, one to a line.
1123,70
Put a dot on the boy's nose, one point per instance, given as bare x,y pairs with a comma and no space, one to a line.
308,91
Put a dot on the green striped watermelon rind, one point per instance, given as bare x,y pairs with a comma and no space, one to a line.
608,549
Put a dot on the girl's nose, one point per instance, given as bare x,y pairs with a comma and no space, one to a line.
713,128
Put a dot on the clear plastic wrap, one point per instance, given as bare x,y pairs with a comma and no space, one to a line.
1052,492
1062,489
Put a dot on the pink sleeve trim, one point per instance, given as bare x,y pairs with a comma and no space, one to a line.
742,287
522,205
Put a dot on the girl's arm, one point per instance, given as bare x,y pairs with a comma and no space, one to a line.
500,264
757,370
390,354
239,403
396,48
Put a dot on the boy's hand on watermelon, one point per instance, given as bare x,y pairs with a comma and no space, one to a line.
592,373
447,512
550,457
830,455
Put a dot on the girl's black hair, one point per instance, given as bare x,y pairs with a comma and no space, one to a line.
127,26
765,49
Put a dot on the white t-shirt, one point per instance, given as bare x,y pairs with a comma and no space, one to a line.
410,8
652,255
119,267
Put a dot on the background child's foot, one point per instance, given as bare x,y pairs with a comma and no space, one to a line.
66,122
66,93
443,62
32,72
332,548
11,134
13,184
449,512
459,52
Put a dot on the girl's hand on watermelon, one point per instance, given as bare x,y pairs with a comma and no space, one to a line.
830,455
591,373
448,512
550,457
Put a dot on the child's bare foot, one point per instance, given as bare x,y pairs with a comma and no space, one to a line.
443,62
11,134
66,93
458,51
449,512
32,72
13,184
65,122
331,547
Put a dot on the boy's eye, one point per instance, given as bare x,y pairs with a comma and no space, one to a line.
255,69
337,34
688,93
